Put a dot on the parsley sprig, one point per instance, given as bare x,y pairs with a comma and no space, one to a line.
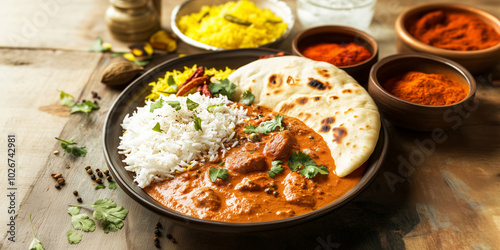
302,162
69,147
266,127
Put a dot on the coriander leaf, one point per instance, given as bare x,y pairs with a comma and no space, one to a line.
100,186
81,221
248,98
221,164
74,238
143,62
191,105
84,107
156,105
311,171
218,173
265,127
69,147
35,244
174,104
215,106
171,83
223,88
276,168
112,185
197,123
110,215
66,99
99,46
157,128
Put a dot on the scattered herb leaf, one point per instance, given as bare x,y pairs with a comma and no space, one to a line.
223,88
221,164
191,105
171,83
112,185
156,128
266,127
110,215
67,99
69,147
303,162
81,221
197,123
276,168
74,238
311,171
35,244
248,98
174,104
142,63
100,186
218,173
84,107
156,105
211,107
100,46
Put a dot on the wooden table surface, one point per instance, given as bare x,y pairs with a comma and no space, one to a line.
427,195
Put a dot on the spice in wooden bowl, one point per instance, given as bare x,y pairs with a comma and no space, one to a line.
338,54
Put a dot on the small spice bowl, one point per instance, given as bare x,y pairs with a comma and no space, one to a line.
340,34
476,61
417,116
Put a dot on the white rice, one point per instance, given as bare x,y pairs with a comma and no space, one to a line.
155,156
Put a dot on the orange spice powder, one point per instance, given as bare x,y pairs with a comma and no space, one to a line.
427,89
454,31
338,54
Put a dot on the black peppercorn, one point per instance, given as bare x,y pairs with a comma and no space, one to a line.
275,194
87,167
79,200
89,171
75,193
169,236
106,172
97,170
157,232
268,191
158,224
198,171
99,173
98,180
58,186
109,178
273,185
93,177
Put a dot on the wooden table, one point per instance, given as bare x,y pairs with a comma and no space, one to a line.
427,195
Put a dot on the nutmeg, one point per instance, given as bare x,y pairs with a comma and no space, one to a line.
120,73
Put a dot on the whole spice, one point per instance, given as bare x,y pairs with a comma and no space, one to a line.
60,181
93,177
58,186
99,173
87,167
106,172
79,200
89,171
338,54
75,193
454,31
56,176
109,178
98,180
426,89
120,73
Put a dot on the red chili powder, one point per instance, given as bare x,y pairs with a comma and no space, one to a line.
338,54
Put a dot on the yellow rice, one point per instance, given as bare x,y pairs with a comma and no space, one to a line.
180,77
216,31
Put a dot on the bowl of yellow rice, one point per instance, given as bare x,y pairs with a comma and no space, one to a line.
221,24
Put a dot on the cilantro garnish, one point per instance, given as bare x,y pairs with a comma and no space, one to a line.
303,162
191,105
221,164
223,88
215,106
112,185
69,147
218,173
171,83
265,127
110,215
81,221
35,244
74,238
100,186
248,98
157,128
174,104
156,105
84,107
197,123
66,99
276,168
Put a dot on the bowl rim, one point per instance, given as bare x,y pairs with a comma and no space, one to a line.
456,66
372,171
413,42
190,41
339,29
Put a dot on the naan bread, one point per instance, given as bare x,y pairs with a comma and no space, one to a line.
324,97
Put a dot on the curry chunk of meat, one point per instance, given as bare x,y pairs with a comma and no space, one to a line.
280,146
245,162
297,192
253,183
205,197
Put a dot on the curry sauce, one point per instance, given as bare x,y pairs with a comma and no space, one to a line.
249,194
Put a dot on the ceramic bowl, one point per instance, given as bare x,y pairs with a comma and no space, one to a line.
340,34
416,116
478,61
279,8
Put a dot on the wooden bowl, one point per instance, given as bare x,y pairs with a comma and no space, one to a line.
477,61
416,116
340,34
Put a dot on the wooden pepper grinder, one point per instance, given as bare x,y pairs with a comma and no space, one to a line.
132,20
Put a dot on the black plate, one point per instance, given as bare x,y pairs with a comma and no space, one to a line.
133,97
